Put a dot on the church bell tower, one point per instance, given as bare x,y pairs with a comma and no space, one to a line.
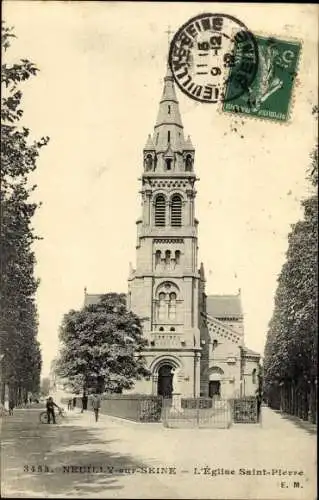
164,288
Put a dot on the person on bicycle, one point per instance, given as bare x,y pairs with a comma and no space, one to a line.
50,409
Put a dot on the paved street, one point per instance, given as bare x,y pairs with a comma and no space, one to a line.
125,459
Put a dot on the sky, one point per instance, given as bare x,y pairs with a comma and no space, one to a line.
96,96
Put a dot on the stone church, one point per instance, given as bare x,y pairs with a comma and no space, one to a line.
195,341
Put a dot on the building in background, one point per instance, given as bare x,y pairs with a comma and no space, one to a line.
195,342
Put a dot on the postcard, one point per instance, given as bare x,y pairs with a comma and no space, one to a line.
159,237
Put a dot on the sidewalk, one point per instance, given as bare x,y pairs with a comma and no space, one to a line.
298,422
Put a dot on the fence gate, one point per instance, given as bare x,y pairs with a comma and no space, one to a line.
197,412
245,410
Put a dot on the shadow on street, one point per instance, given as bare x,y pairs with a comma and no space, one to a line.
57,448
298,422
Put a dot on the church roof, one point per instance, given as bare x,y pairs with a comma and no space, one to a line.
250,352
224,306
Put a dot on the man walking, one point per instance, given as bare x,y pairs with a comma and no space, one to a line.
11,406
96,405
84,402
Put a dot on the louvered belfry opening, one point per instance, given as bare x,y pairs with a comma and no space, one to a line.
176,211
160,211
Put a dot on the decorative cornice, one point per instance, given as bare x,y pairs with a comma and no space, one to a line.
168,240
218,328
169,183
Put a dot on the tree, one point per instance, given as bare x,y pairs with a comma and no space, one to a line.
291,351
21,363
45,386
101,346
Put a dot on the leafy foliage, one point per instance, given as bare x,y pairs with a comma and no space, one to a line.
291,357
101,346
21,363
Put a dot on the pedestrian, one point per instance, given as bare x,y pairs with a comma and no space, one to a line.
74,402
11,406
70,404
84,402
96,405
50,409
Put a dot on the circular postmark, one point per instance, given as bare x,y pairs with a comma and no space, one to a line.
213,58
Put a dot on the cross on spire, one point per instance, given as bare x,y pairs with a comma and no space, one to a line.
169,32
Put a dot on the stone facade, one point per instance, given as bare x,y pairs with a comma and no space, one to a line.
164,287
195,342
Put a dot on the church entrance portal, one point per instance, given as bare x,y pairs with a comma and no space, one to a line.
214,388
165,381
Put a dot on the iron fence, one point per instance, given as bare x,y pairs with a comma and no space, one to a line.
245,410
197,413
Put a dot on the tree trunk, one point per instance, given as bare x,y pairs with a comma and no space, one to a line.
19,394
3,393
25,395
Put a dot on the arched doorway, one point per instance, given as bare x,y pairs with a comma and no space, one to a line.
165,381
214,388
216,375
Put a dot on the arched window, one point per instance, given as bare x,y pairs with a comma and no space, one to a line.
176,211
166,307
160,210
254,376
167,258
172,306
161,307
168,162
148,162
188,163
157,257
177,256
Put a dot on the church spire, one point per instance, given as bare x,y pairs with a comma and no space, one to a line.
168,150
168,131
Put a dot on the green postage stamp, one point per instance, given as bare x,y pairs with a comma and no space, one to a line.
269,96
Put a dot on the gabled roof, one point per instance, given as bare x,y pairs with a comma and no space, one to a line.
224,306
250,352
92,298
222,330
